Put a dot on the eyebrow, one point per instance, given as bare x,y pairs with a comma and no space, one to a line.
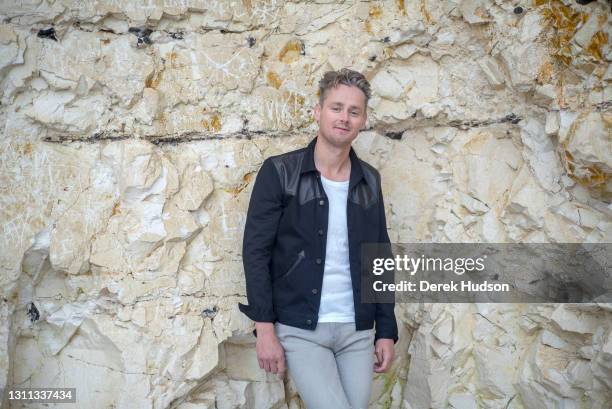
341,104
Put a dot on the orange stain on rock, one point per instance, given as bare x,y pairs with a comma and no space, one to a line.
116,209
596,180
173,60
215,123
212,125
545,73
293,99
310,80
402,7
375,11
163,121
424,12
564,20
27,148
246,179
153,80
274,79
599,40
290,52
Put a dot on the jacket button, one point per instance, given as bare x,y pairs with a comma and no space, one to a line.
318,261
320,232
308,322
314,291
322,202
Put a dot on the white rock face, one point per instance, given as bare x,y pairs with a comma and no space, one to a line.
132,133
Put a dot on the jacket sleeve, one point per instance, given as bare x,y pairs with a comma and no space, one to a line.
263,215
386,324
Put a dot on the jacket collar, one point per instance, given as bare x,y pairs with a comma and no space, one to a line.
308,165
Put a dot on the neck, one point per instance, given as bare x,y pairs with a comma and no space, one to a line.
332,161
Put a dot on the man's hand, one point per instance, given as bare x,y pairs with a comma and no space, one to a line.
385,350
270,352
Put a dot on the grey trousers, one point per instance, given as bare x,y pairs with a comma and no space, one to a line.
332,366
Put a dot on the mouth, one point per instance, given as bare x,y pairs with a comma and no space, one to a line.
341,129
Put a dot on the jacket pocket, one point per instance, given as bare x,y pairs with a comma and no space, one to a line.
301,256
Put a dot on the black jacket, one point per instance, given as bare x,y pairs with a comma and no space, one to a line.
285,239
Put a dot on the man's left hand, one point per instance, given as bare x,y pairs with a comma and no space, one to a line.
384,350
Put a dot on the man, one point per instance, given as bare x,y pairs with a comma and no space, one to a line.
310,211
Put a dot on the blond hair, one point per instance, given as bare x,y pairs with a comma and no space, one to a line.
345,76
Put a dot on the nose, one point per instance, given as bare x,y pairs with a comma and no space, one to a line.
344,116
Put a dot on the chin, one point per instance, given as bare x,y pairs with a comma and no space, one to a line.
340,140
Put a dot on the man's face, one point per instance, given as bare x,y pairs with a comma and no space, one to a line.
342,115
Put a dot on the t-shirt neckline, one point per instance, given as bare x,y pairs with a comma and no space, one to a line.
335,182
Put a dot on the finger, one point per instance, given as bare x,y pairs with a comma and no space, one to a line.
379,356
281,366
273,366
380,368
386,364
381,360
267,365
261,363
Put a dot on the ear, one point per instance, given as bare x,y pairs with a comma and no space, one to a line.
317,112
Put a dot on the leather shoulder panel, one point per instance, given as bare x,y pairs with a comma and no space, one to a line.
366,194
288,165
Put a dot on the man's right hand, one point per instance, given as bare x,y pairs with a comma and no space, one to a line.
270,352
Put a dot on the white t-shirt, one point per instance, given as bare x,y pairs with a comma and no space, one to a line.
337,292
